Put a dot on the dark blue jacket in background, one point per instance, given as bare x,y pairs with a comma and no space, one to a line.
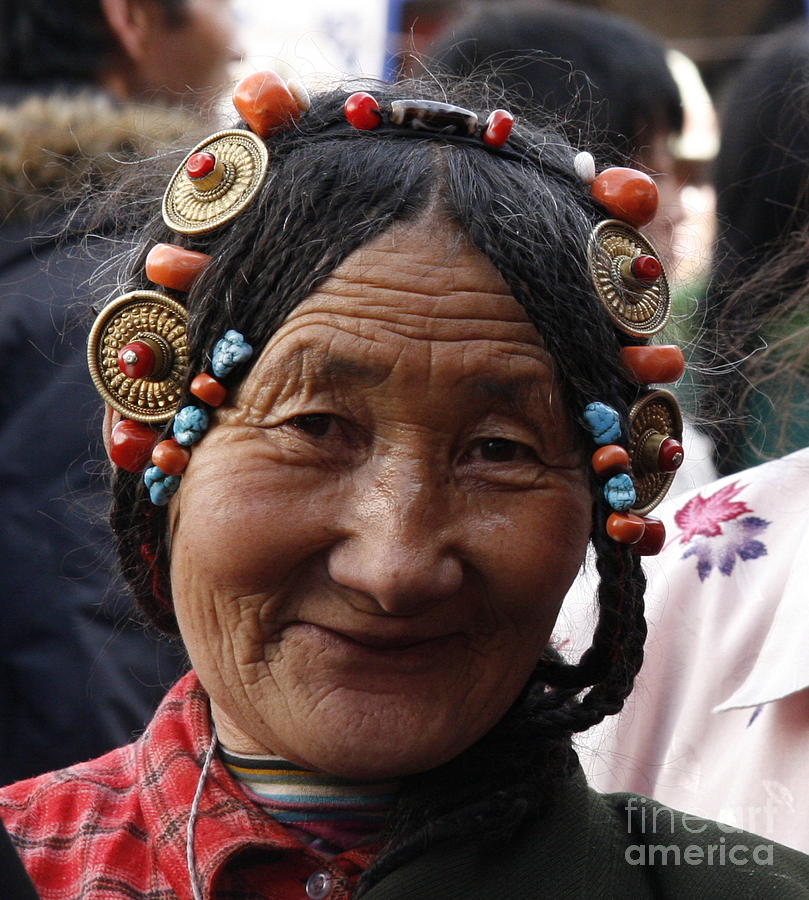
78,674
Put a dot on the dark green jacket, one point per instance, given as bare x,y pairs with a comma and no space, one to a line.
610,846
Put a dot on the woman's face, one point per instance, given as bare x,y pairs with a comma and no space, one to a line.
371,545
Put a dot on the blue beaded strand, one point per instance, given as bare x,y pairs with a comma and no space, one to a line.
229,352
190,424
603,422
161,487
619,492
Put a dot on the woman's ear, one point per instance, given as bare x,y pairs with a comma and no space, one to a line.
129,22
111,418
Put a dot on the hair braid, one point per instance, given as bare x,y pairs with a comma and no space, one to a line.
328,193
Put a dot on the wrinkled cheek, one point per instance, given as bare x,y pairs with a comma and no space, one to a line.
551,558
221,628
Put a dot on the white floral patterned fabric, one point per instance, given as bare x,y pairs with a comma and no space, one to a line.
718,723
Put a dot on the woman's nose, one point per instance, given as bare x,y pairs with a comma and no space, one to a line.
397,553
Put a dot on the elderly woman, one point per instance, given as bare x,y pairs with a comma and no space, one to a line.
399,362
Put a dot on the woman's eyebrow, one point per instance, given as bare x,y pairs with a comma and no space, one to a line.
339,367
521,394
315,364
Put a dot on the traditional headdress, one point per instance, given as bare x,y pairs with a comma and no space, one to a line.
138,352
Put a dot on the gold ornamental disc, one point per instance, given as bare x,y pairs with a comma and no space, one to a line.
637,309
244,160
153,318
655,416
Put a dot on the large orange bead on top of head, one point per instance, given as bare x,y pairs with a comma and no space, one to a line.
265,102
626,194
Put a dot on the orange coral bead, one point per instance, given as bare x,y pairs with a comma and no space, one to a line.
131,445
170,457
610,460
208,389
174,267
655,364
264,101
498,128
626,194
654,536
626,528
362,111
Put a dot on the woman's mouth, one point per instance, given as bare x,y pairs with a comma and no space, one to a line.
408,647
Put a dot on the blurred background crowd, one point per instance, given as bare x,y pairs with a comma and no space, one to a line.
711,99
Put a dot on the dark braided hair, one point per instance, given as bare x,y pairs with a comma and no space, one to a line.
330,190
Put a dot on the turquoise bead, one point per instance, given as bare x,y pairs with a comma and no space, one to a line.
619,492
603,422
229,352
161,487
190,424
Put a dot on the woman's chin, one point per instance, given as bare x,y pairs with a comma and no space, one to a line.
375,738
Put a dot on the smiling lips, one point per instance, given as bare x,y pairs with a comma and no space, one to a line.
370,641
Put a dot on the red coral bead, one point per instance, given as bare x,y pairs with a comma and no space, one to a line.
626,194
264,101
654,536
137,360
653,364
670,456
362,111
131,445
498,128
200,164
170,457
626,528
174,267
208,389
610,460
646,268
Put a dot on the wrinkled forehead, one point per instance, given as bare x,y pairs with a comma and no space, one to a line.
421,281
415,308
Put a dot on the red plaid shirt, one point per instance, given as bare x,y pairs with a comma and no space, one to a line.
116,827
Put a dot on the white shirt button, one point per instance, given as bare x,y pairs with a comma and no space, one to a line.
319,884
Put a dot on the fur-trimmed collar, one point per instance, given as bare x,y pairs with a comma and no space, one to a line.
52,146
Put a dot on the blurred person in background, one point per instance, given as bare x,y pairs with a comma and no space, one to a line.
611,83
719,722
85,85
760,401
605,76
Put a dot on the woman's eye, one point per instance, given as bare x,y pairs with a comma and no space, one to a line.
313,424
503,450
